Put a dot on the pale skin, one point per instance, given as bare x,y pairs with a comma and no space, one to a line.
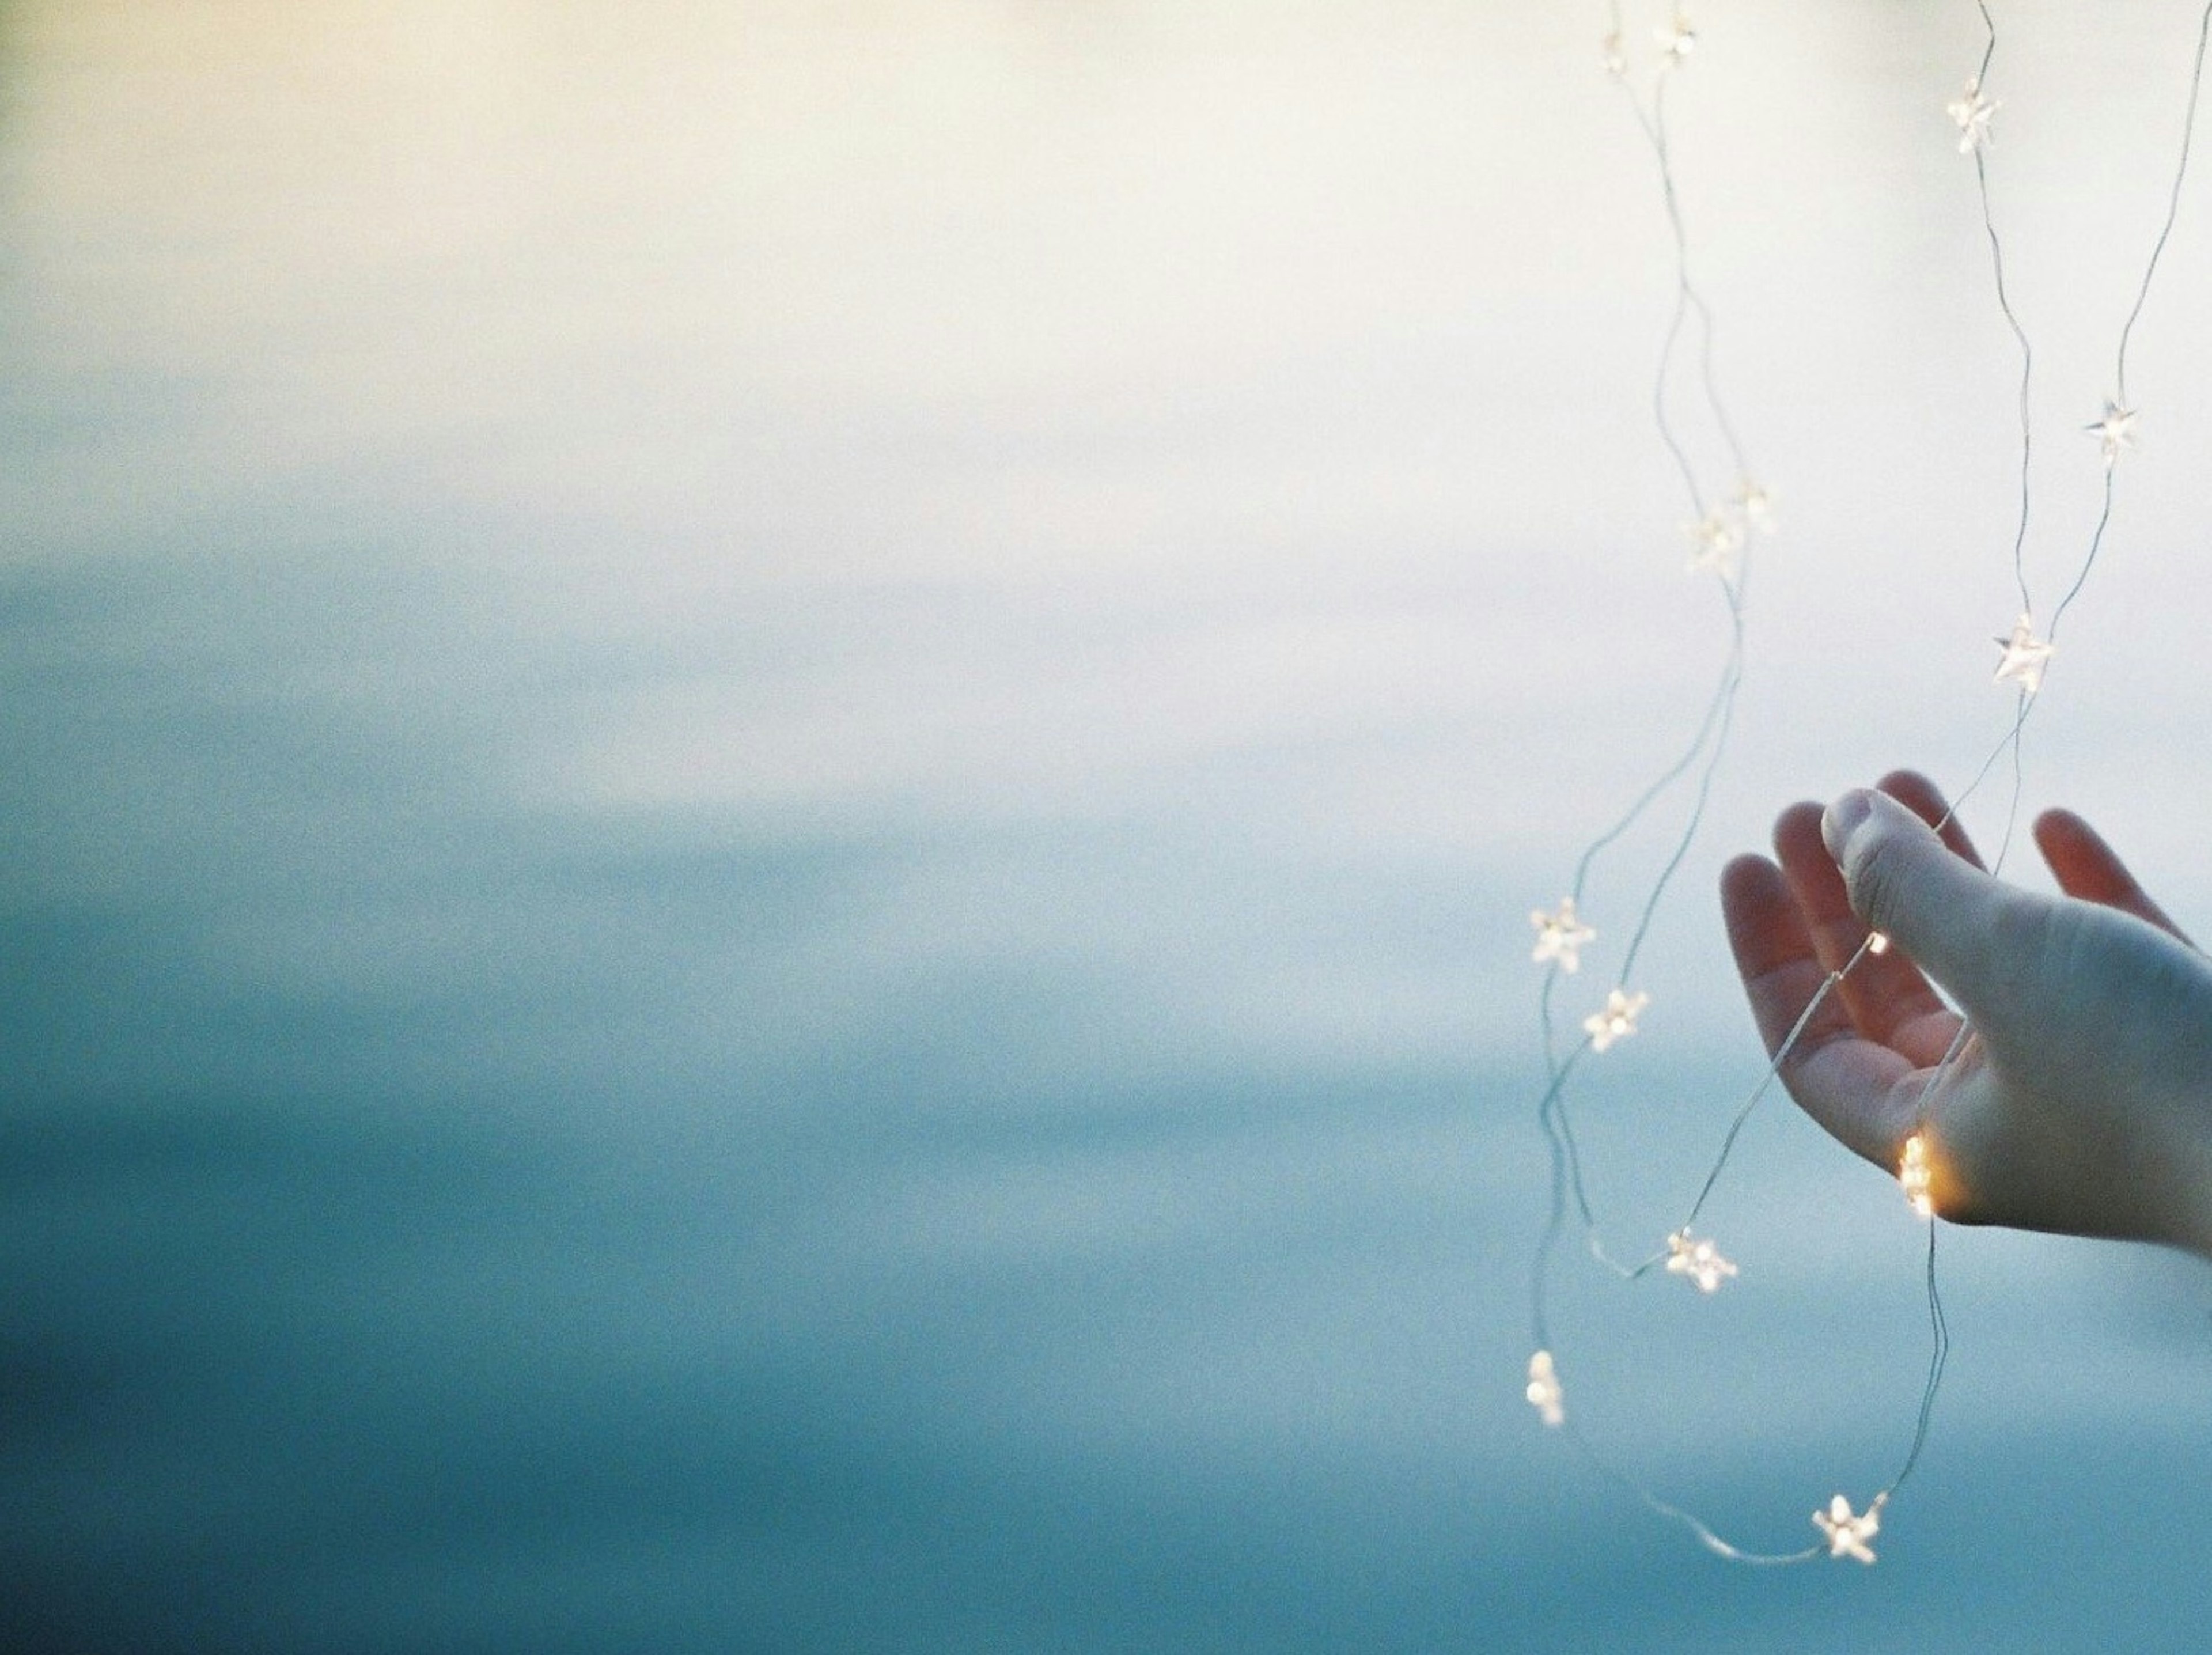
2081,1101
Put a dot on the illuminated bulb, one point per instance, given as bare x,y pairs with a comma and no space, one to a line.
2116,431
2026,657
1544,1393
1617,1020
1756,501
1700,1260
1677,39
1915,1177
1715,541
1972,111
1848,1535
1561,936
1616,55
1877,942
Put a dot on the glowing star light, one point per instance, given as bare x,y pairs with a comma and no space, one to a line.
1617,1020
2116,431
1915,1177
1700,1260
1616,55
1756,501
1561,936
1972,111
1677,39
1544,1393
1715,541
1848,1535
2026,655
1877,942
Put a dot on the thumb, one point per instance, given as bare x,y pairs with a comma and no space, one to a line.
1904,881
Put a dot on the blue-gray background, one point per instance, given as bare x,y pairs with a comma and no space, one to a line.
772,771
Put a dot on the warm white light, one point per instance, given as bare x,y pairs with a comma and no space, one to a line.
1877,942
1915,1177
1677,39
1544,1393
1616,1020
2115,430
1755,501
1700,1260
2026,657
1972,111
1848,1535
1616,55
1715,541
1561,936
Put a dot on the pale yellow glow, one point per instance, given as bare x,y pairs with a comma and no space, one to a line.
1560,935
1848,1535
1754,502
1877,942
1616,1020
2115,431
1699,1261
1915,1177
1972,111
2026,657
1715,541
1544,1393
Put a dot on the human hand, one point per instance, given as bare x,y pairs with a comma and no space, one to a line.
2081,1098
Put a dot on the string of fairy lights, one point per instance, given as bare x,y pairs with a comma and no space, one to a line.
1720,529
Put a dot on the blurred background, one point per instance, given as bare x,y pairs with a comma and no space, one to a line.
771,774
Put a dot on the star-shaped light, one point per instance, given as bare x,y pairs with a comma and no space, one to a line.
1972,111
1617,1020
1755,501
2026,655
1700,1260
1715,541
1848,1535
2116,431
1677,39
1561,936
1544,1393
1915,1177
1616,55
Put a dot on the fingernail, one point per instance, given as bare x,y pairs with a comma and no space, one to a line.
1838,821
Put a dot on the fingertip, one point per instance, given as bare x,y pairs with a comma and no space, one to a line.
2059,825
1913,789
2078,856
1843,818
1747,879
1764,926
1797,833
1925,800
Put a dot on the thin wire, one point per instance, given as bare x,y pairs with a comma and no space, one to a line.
2012,320
2172,203
1938,1353
1782,1054
1731,683
2088,562
1714,711
1710,741
1711,1540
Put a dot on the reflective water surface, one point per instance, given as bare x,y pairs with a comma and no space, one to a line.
769,774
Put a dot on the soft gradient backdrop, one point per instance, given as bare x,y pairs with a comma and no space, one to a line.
769,776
